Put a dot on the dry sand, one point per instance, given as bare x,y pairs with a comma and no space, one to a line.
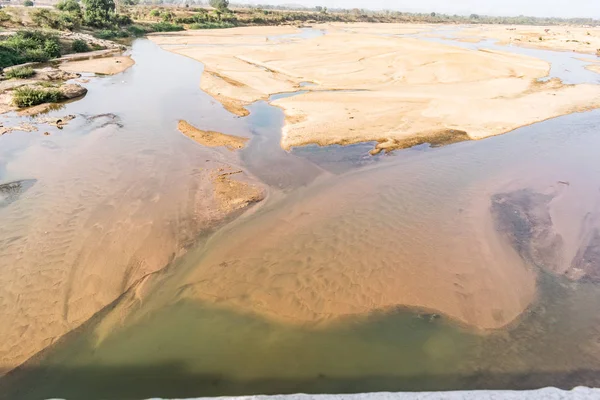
211,138
384,89
567,38
104,65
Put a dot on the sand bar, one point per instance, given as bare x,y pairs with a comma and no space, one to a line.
211,138
565,38
104,65
386,89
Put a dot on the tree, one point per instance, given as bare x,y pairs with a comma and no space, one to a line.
433,14
219,4
318,8
28,3
99,13
68,6
474,16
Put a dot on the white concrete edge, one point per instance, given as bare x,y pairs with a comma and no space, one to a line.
579,393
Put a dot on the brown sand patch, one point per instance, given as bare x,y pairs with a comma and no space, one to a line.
435,139
211,138
104,65
392,89
232,194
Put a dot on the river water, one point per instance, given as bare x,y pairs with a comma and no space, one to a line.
342,211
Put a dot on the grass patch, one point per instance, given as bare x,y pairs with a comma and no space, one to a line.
19,73
211,25
30,96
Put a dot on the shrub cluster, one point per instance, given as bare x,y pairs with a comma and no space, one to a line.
19,73
28,46
29,96
80,46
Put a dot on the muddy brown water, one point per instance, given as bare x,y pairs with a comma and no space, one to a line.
173,345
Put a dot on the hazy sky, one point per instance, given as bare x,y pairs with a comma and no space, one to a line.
541,8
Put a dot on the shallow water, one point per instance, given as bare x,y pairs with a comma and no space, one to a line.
174,343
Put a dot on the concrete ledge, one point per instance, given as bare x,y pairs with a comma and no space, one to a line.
579,393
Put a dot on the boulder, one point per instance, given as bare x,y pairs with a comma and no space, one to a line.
72,90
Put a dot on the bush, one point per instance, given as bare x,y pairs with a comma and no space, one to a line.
80,46
19,73
122,19
99,13
46,18
69,6
155,13
219,4
52,48
136,30
28,3
4,16
29,96
166,27
111,34
26,46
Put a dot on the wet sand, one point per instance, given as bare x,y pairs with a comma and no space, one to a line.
211,138
384,89
594,68
114,197
102,65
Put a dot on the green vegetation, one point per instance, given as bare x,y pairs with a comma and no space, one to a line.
99,13
30,96
80,46
221,5
69,6
19,73
211,25
4,16
166,27
28,46
45,18
28,3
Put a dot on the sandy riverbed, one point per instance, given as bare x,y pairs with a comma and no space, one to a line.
104,65
377,88
566,38
103,211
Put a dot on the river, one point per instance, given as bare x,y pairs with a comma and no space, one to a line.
337,224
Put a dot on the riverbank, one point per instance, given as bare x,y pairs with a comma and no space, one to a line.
396,91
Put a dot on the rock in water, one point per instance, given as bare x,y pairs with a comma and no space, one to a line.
72,90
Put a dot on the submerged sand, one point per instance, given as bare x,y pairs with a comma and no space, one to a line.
594,68
86,230
104,65
369,87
